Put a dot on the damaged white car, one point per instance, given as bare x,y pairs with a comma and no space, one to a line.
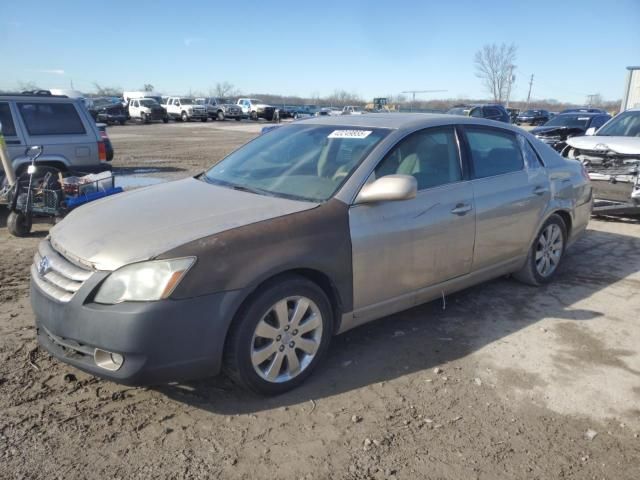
612,158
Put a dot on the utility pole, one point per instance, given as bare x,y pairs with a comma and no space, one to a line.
510,80
529,94
590,99
413,94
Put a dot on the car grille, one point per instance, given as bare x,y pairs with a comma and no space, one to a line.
55,275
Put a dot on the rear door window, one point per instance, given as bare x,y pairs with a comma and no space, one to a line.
493,152
6,121
51,118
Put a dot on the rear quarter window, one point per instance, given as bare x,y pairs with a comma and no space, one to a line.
51,119
6,121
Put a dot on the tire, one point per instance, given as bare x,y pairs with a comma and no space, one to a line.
220,116
165,120
184,117
18,224
238,119
122,122
542,254
143,118
254,116
245,347
203,120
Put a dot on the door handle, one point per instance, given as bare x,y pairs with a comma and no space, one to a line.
539,190
461,209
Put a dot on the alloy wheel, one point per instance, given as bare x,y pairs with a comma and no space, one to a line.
286,339
549,250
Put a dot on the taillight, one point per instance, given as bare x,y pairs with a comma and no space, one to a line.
102,152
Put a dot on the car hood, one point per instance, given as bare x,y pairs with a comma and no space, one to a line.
621,145
141,224
563,132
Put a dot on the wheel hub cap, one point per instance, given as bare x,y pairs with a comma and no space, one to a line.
286,339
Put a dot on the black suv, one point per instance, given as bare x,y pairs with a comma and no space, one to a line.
533,117
490,112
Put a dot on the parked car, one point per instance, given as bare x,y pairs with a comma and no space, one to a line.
170,295
328,112
352,110
107,111
533,117
583,110
566,125
185,109
513,114
490,112
69,136
220,108
147,110
612,158
254,109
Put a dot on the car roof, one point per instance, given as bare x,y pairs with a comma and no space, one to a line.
582,114
400,121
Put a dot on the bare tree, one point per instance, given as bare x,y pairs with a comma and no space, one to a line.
147,87
107,91
28,86
224,89
493,65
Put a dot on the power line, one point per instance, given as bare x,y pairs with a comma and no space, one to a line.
413,93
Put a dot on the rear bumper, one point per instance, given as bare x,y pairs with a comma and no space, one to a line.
164,341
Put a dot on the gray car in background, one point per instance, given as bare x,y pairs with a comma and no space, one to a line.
308,231
61,125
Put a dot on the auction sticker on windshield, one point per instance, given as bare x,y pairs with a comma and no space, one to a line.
349,134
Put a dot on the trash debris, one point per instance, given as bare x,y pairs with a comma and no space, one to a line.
590,434
477,381
356,419
437,370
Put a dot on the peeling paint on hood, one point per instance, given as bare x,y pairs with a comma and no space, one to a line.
141,224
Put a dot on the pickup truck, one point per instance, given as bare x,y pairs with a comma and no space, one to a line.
352,110
254,109
147,110
220,108
185,109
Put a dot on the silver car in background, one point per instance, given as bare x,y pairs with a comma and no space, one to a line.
307,231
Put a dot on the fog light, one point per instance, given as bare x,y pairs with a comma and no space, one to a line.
108,360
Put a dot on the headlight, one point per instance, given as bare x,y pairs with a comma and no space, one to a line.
144,281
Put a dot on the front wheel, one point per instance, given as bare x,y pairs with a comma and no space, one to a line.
545,253
220,116
184,117
19,224
238,119
165,120
279,336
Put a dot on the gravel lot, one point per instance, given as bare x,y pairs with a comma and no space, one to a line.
507,381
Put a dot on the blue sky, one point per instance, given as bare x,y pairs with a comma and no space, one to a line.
574,48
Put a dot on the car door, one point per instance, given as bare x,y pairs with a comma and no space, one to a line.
510,198
403,246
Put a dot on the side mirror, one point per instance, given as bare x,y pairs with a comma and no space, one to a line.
590,131
388,188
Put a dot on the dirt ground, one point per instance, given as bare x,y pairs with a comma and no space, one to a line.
507,381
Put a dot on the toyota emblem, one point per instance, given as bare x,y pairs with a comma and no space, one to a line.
44,266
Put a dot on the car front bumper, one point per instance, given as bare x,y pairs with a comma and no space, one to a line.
163,341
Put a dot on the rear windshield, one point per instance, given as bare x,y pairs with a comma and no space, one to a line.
51,118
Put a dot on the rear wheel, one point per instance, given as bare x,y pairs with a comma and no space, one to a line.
19,224
545,253
220,116
280,336
204,119
165,120
184,117
238,119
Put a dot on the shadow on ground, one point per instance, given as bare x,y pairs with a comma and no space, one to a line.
428,335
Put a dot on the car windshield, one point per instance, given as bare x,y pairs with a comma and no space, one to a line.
626,124
148,102
303,162
186,101
577,121
530,112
